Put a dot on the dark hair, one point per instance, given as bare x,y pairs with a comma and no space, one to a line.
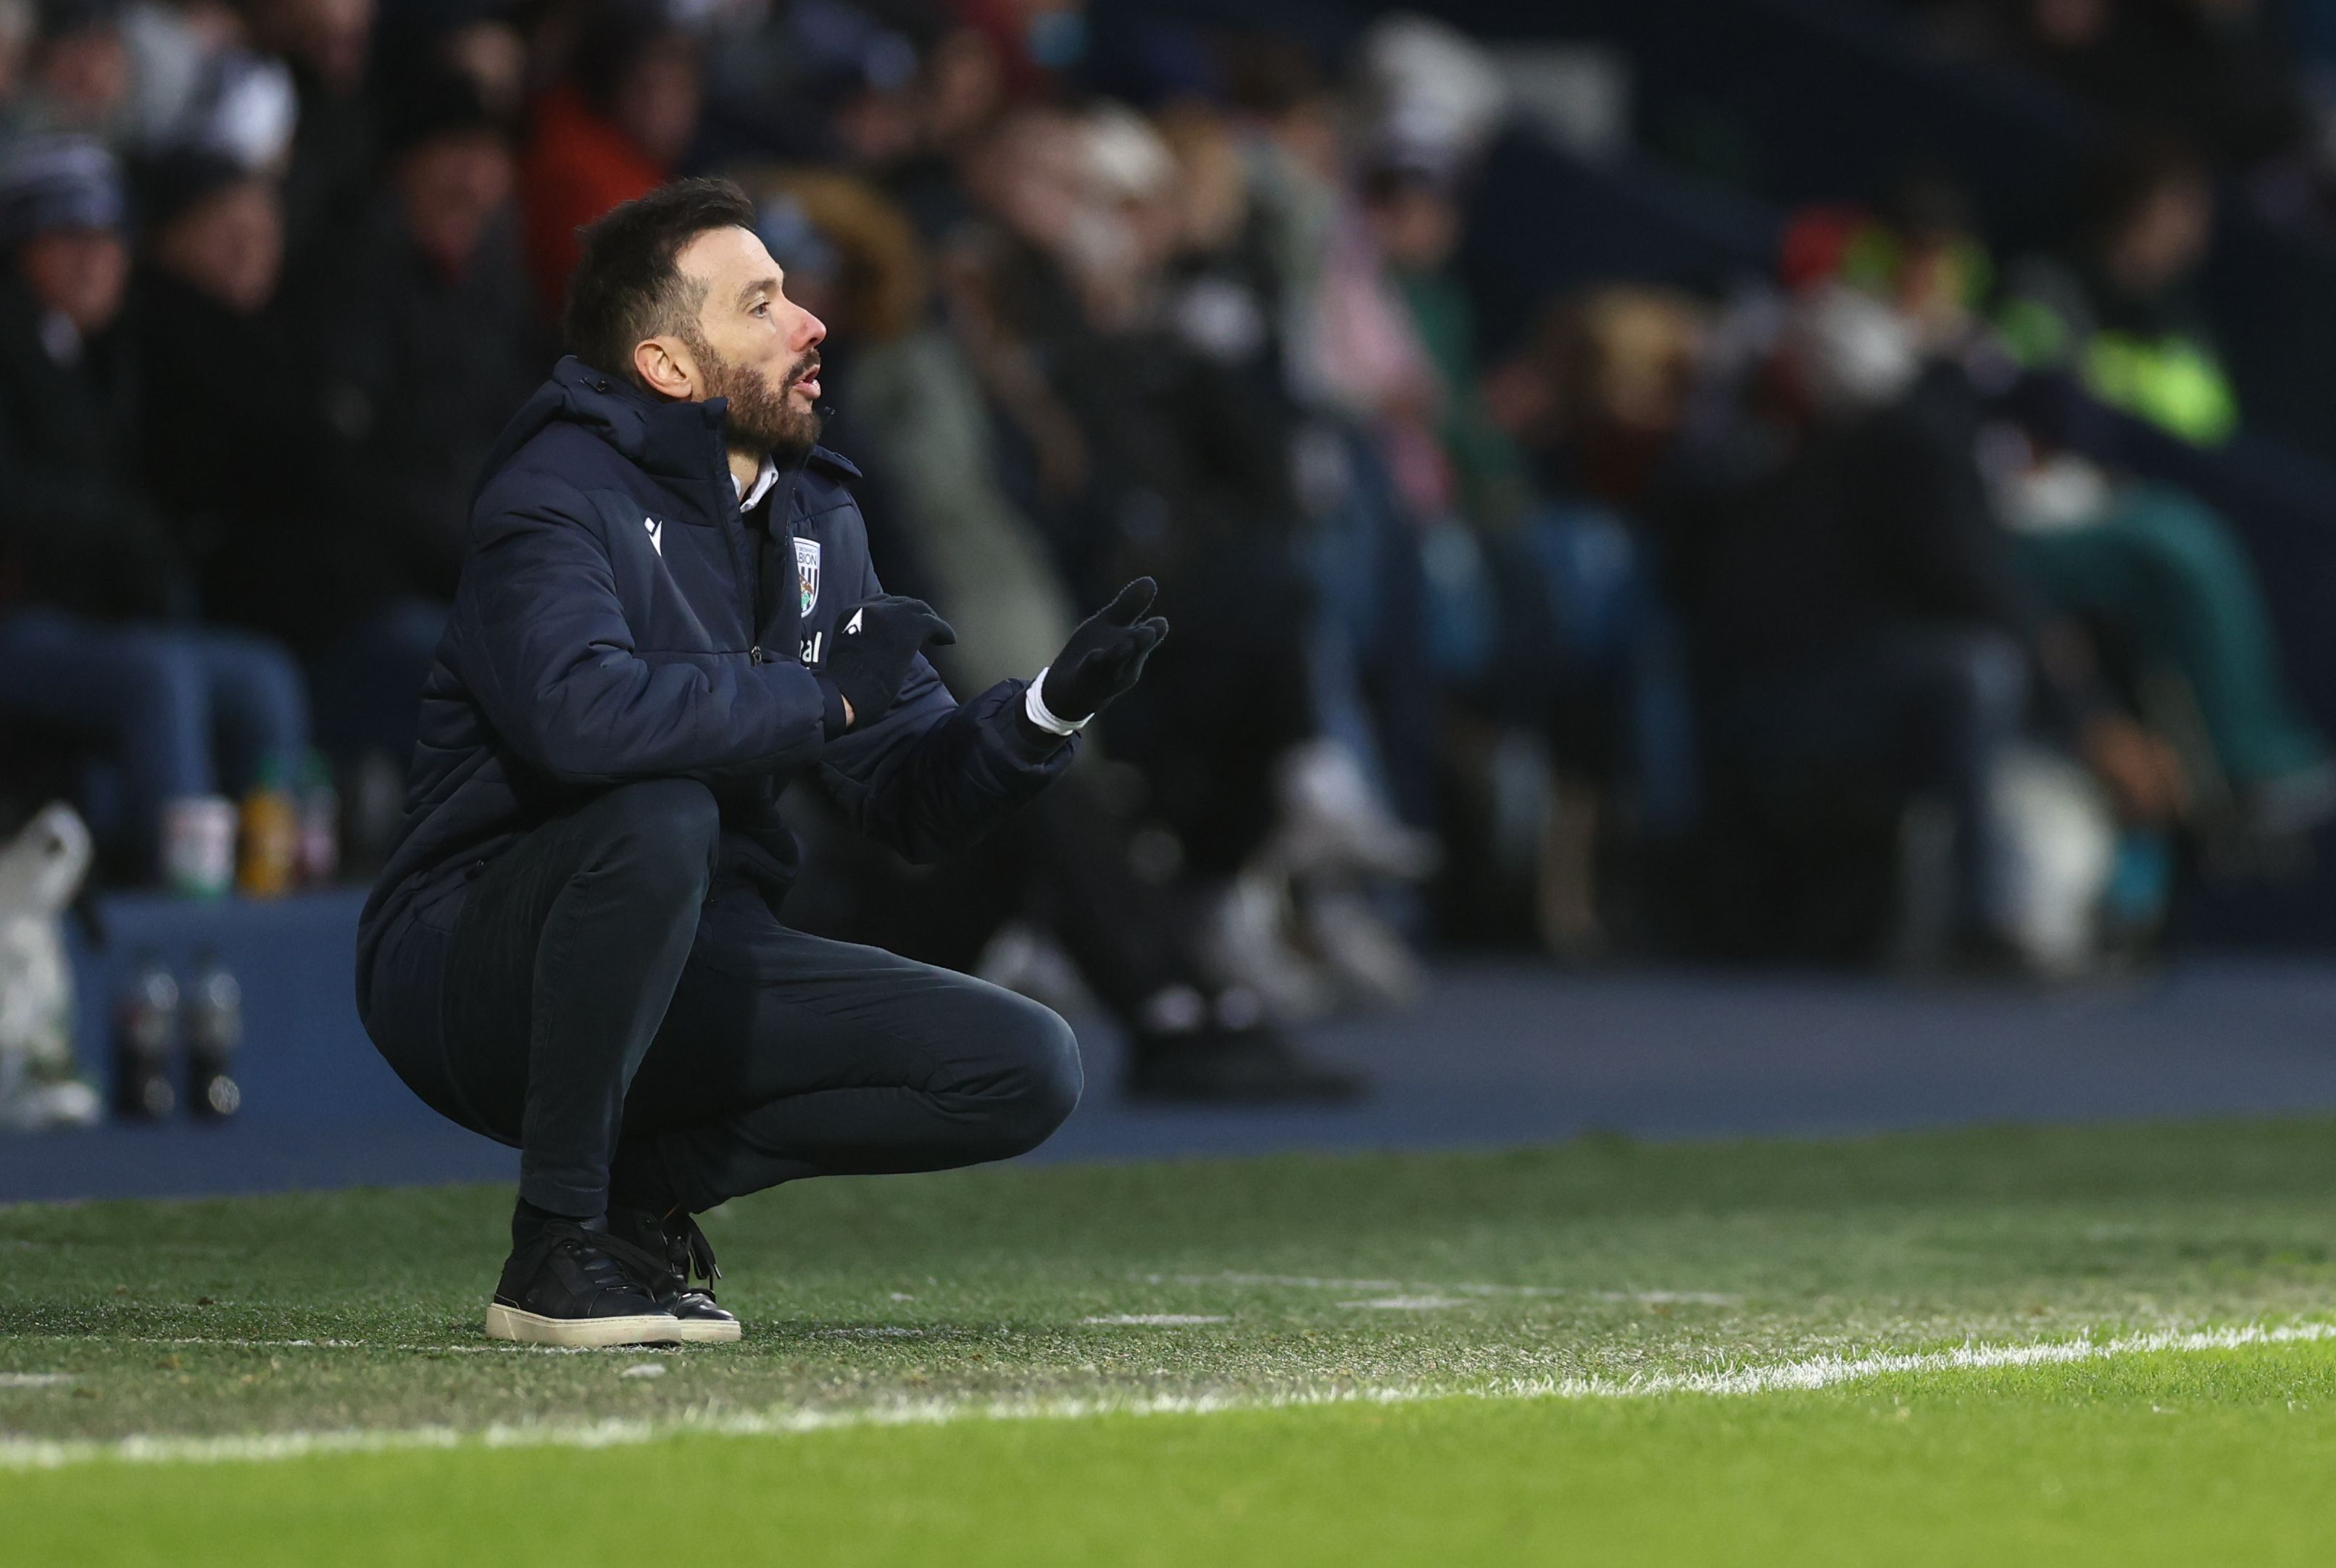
626,287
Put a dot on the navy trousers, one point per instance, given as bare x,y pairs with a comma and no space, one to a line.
598,1005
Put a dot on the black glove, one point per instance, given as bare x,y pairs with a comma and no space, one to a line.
875,644
1105,655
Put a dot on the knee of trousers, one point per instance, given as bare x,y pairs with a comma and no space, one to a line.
659,839
1039,1080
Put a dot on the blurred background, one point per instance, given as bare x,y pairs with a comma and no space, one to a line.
1738,565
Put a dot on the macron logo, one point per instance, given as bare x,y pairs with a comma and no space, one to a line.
656,534
851,626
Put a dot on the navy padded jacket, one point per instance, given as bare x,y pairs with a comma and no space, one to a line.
605,631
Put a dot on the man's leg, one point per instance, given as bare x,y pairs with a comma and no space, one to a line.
785,1055
565,960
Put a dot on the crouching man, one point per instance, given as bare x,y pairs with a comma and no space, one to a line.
667,613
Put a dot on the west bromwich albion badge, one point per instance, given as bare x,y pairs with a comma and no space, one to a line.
807,571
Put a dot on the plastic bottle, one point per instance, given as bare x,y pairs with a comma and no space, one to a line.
214,1032
145,1032
271,836
320,824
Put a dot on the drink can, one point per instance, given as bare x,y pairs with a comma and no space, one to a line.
198,844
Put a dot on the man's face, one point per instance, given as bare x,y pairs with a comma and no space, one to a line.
228,247
657,101
753,345
79,273
451,189
2169,236
87,71
329,36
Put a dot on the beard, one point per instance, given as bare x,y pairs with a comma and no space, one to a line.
763,418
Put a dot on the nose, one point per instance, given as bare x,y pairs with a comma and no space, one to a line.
813,333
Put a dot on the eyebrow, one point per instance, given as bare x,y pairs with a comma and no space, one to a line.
760,286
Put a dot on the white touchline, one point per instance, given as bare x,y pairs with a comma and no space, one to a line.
1321,1283
1783,1377
1153,1319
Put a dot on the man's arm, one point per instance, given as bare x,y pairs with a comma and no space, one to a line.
929,775
553,662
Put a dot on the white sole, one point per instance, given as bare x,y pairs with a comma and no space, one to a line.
706,1332
586,1333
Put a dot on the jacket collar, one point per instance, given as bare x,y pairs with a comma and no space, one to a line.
680,443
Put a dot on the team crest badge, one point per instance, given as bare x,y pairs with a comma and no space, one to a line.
807,571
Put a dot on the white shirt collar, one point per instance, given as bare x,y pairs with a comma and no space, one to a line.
765,477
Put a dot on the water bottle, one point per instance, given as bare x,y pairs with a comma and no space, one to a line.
214,1031
320,824
145,1031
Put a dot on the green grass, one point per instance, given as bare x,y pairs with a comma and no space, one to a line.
896,1317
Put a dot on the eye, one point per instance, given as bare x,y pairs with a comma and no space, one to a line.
761,309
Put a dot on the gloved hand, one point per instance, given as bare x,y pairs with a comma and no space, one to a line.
1105,655
876,642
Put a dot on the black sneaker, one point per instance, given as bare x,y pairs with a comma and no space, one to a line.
1237,1067
686,1251
581,1288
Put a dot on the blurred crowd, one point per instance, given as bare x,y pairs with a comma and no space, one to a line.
1784,622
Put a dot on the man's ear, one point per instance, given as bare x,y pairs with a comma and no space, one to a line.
666,368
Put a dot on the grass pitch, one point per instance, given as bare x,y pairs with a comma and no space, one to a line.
2112,1345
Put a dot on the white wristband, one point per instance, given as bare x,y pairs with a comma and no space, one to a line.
1035,707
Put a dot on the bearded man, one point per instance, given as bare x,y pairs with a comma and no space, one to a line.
667,613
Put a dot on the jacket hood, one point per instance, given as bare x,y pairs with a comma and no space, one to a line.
672,441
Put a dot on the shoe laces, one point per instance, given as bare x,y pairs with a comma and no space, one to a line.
686,1250
610,1263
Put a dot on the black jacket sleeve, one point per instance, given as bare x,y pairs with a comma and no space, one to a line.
933,775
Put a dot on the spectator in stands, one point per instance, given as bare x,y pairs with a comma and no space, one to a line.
231,441
616,128
1135,449
93,589
1857,608
2116,310
430,344
2210,69
81,74
336,143
1575,644
2148,567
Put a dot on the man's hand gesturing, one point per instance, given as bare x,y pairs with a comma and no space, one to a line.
875,644
1105,655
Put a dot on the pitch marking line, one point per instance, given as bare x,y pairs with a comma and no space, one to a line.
1316,1283
1814,1372
1152,1320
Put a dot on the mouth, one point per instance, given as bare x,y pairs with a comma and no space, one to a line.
808,386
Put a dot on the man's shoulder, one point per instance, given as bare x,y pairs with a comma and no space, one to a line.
561,466
827,485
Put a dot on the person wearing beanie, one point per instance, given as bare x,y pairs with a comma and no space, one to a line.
236,462
94,595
